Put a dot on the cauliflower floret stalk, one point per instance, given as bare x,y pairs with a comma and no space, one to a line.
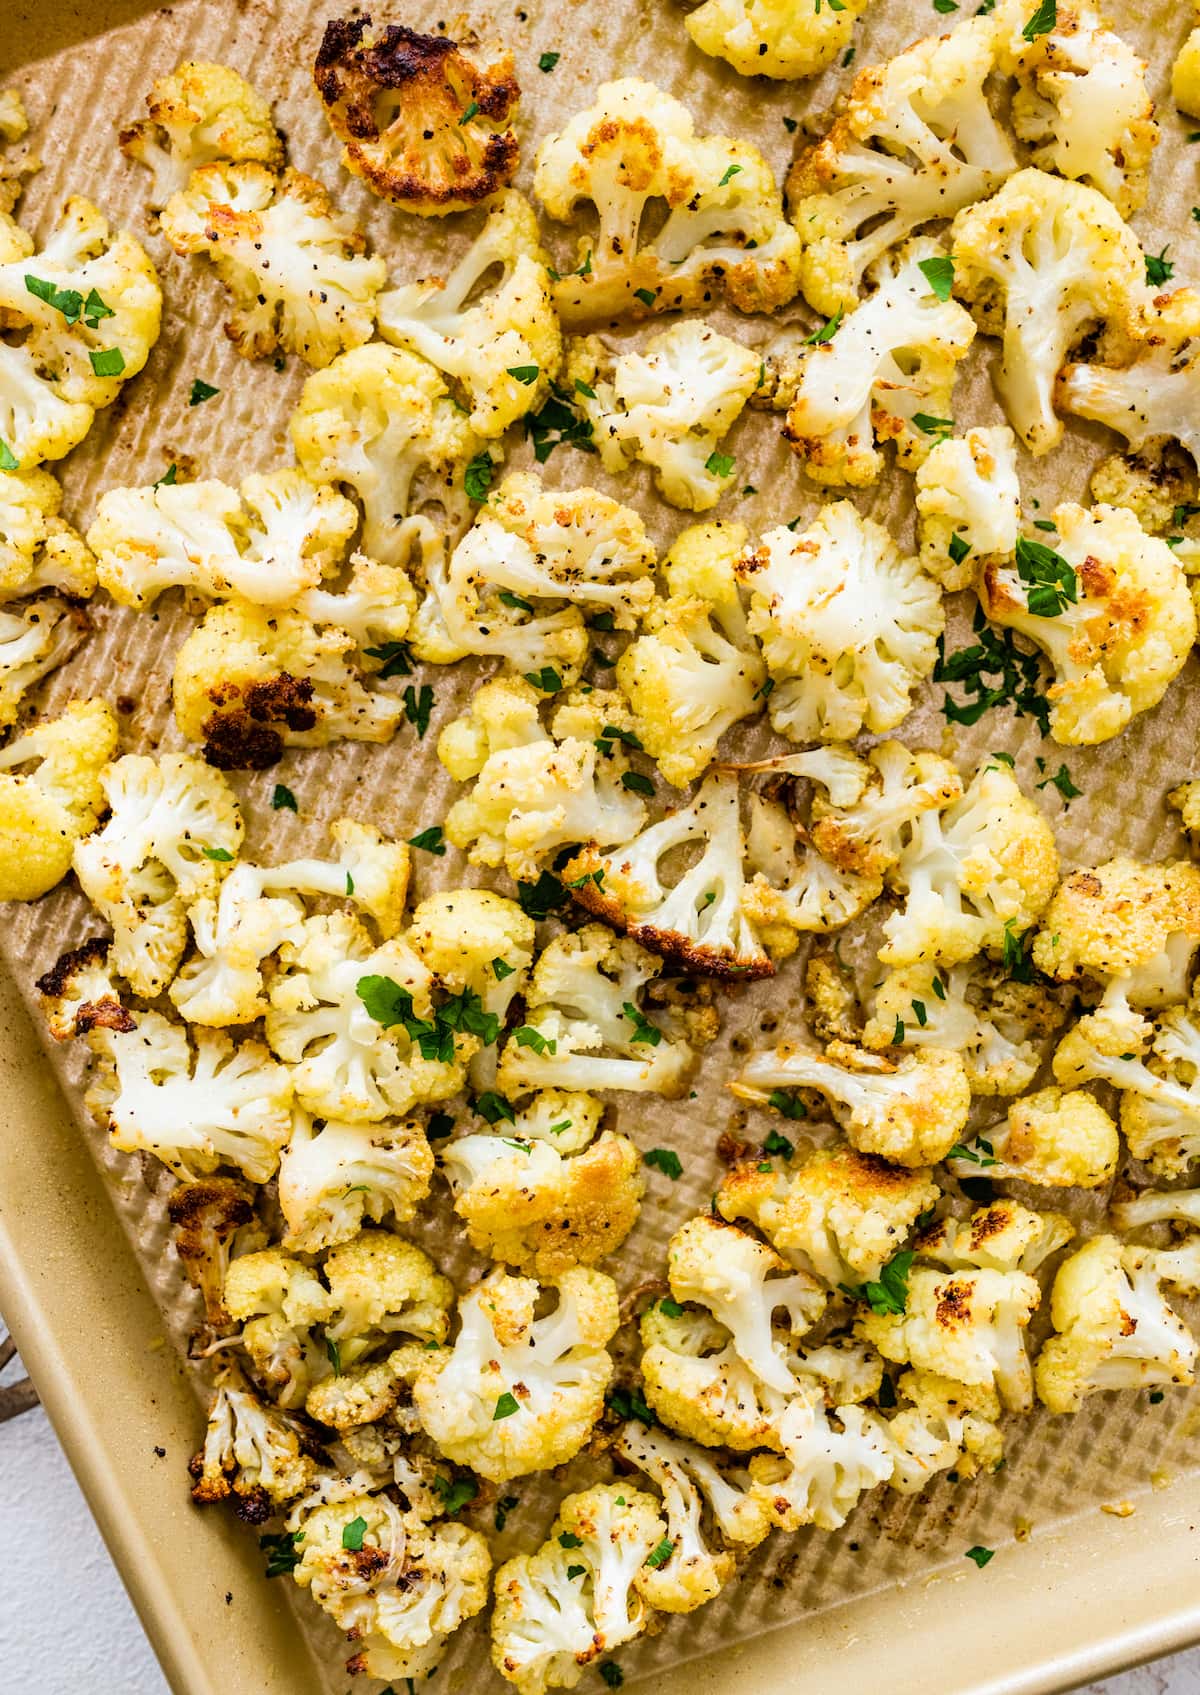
763,38
477,944
915,141
1158,1206
579,551
51,795
968,505
1111,609
38,550
579,1596
724,226
585,1028
500,341
825,1466
278,1301
1057,1138
1081,102
396,1583
515,1393
886,373
358,1024
383,422
253,1455
294,266
911,1112
198,113
693,671
848,627
173,830
33,643
690,1481
697,923
997,1024
669,405
335,1176
1113,1328
976,875
422,123
212,1220
1130,928
268,541
86,309
1156,1067
1040,263
833,1212
252,680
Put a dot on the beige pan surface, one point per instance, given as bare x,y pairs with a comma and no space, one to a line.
94,1296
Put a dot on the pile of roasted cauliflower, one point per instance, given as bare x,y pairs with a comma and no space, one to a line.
309,1050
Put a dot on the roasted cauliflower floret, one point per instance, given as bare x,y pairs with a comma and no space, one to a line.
14,166
866,829
51,795
765,38
381,1286
212,1220
38,549
848,627
477,944
724,227
332,1179
33,643
1185,74
824,1467
278,1301
198,113
516,1393
252,1454
1002,1236
503,714
968,505
1132,928
1155,1066
1040,263
421,122
1054,1138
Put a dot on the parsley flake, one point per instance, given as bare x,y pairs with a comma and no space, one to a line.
647,296
981,1556
612,1674
1042,21
643,1030
826,331
525,374
890,1293
418,706
200,392
282,799
729,175
283,1555
665,1160
430,840
107,361
506,1406
221,855
720,464
547,61
635,781
1159,269
455,1493
477,479
395,660
774,1143
472,111
659,1556
789,1104
494,1107
547,679
8,459
352,1534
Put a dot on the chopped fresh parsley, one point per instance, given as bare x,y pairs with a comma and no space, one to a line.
494,1108
455,1493
334,1354
670,1308
981,1556
890,1293
1042,21
945,6
774,1143
958,549
502,969
729,175
611,733
107,361
506,1406
1062,782
547,679
898,1032
635,781
557,424
540,899
996,672
169,477
505,1505
568,1539
665,1160
574,1572
961,1151
282,799
283,1556
430,840
472,111
629,1403
547,61
920,1013
68,301
826,331
352,1534
612,1674
647,296
659,1556
478,477
1015,955
527,1036
524,374
790,1105
418,706
8,459
931,426
395,659
1159,269
791,126
439,1126
221,855
200,392
643,1030
720,464
585,389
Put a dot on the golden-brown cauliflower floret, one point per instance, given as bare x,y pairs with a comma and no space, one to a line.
200,112
211,1220
1055,1138
1124,921
773,38
51,795
1185,74
968,505
252,1454
38,549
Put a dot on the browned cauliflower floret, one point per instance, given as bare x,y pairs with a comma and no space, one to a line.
1056,1138
208,1219
252,1452
200,112
1126,925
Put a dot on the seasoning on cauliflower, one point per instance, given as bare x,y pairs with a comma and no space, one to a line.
253,1454
910,1112
198,113
1132,928
1054,1138
765,38
421,122
38,549
33,643
173,829
824,1468
335,1177
1041,263
968,505
724,228
1156,1067
1110,607
1002,1236
848,627
914,142
505,347
1113,1328
212,1220
250,681
668,404
81,326
515,1393
696,922
946,1426
383,422
585,1028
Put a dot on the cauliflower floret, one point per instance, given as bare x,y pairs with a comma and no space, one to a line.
916,141
278,1300
212,1220
724,226
83,324
383,422
516,1393
795,889
79,993
251,680
865,830
1185,74
848,627
1081,102
332,1179
1002,1236
884,374
580,1594
1113,1328
1111,609
361,1396
38,549
1039,263
911,1112
33,643
252,1453
379,1285
1132,928
503,714
589,1031
824,1468
530,545
668,404
14,167
477,943
267,541
200,112
698,921
51,795
511,327
973,876
358,1024
998,1025
1160,1100
1158,1206
968,505
173,829
765,38
375,606
834,1212
1060,1140
422,124
294,267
